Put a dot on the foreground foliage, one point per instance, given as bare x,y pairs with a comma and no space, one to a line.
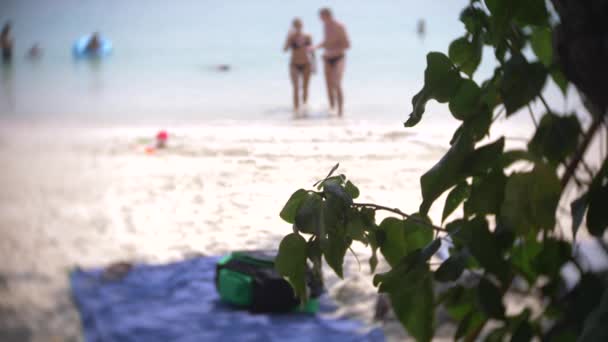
506,227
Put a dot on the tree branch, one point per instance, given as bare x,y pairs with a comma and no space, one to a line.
400,213
580,152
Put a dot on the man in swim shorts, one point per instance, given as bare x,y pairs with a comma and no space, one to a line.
335,43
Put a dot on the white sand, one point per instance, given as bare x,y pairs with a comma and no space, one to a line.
90,196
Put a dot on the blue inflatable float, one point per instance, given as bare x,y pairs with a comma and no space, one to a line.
80,48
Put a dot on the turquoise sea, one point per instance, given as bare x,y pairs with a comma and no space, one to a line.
162,66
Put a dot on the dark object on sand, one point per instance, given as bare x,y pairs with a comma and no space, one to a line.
249,280
116,271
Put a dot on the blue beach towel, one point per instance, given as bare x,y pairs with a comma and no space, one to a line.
179,302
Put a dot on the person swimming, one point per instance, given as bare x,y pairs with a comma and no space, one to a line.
300,65
6,43
335,43
94,43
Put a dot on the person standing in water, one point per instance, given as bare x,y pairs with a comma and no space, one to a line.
6,43
300,66
335,43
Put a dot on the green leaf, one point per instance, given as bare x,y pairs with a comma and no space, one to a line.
597,218
441,77
373,242
542,44
578,208
451,268
446,173
418,106
393,247
334,248
482,244
415,309
291,262
355,227
523,332
455,197
556,137
522,82
403,237
309,218
466,101
410,289
441,80
530,12
559,79
351,189
484,158
553,256
288,213
331,172
487,193
466,54
490,299
531,199
474,19
523,256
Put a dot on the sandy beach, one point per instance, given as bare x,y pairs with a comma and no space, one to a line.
84,196
87,197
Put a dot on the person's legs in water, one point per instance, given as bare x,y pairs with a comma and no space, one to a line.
295,80
338,74
305,80
328,68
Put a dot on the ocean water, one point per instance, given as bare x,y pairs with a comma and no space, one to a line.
164,53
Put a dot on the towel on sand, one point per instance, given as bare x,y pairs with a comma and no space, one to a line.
179,302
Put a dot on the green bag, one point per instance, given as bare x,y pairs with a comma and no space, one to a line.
249,280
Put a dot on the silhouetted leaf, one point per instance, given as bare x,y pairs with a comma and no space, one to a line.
455,197
288,213
510,157
466,54
309,217
446,173
542,44
484,158
334,248
466,101
483,246
291,262
552,257
451,268
441,77
355,227
487,193
521,83
490,299
578,208
531,199
418,106
352,190
556,137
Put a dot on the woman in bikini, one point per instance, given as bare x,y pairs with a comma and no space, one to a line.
300,66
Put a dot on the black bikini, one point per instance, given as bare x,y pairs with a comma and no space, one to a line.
332,61
300,67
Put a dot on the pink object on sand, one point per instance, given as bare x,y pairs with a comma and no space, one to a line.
162,136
